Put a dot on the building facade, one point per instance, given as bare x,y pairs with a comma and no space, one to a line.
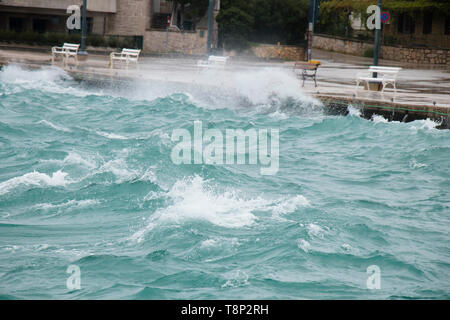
419,29
138,18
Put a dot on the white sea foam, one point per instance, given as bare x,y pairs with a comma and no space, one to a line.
112,136
315,230
379,119
16,74
35,179
262,88
303,244
54,126
74,158
290,204
48,79
71,204
416,165
236,279
259,86
120,169
196,199
353,111
149,175
424,125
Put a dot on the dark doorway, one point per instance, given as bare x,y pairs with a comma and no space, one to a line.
39,25
16,24
405,24
427,22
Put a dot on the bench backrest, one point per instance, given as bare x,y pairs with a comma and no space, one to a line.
306,65
71,47
388,70
217,60
131,52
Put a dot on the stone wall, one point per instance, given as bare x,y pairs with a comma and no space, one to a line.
336,44
194,43
292,53
395,53
416,55
132,18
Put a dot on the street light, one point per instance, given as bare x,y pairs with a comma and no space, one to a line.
210,25
376,49
313,15
83,51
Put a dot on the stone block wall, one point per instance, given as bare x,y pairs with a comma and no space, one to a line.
395,53
131,19
292,53
194,43
353,47
416,55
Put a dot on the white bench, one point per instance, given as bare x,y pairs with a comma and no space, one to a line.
213,61
68,50
385,76
127,56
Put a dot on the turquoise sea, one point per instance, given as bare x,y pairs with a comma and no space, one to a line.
86,179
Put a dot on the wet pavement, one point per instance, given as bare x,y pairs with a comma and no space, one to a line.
416,84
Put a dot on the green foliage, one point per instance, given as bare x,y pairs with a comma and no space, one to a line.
267,21
334,13
57,39
392,5
368,53
236,26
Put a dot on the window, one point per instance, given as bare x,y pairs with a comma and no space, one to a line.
159,20
16,24
39,25
427,22
405,24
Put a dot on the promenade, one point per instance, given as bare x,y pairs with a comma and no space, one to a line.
419,88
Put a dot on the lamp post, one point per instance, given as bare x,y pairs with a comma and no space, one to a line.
312,19
210,25
83,51
376,49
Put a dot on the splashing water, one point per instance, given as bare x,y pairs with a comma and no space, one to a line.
86,179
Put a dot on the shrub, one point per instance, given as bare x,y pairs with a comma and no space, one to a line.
96,41
368,53
113,42
128,42
57,39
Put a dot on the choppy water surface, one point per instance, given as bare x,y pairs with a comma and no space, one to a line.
86,179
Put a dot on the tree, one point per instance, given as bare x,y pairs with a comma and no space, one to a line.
236,27
267,21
